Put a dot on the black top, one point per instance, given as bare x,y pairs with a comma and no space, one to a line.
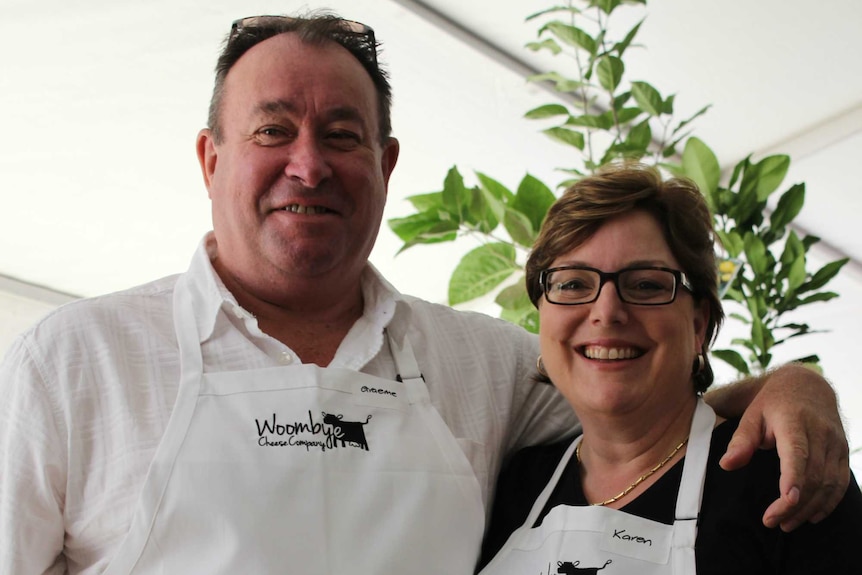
731,537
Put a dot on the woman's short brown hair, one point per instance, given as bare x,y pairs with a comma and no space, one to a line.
618,189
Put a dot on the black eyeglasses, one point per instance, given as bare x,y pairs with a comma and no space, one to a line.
363,33
576,285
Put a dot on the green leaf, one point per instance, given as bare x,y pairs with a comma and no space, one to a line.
757,304
819,296
764,360
553,10
758,333
731,241
793,249
625,115
623,150
526,317
533,199
750,179
825,274
610,70
809,241
475,208
755,254
622,46
483,210
732,358
561,83
738,169
700,164
455,195
565,136
670,149
640,136
548,44
810,361
480,271
741,318
495,188
410,227
514,297
516,306
603,122
797,275
427,202
789,206
667,105
571,35
606,6
547,111
770,173
621,99
688,121
519,227
423,228
648,98
746,209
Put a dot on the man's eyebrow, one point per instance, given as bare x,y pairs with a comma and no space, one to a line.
344,113
274,107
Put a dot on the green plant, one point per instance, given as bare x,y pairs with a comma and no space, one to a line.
605,118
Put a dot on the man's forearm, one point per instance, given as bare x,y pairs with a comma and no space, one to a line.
731,400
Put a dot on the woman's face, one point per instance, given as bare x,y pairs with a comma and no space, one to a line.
653,347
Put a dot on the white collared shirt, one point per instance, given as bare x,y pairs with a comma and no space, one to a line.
86,394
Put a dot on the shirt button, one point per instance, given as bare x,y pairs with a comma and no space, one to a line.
285,358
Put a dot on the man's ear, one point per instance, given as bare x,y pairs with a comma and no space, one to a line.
207,156
389,158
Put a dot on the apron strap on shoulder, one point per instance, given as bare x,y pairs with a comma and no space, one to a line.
406,367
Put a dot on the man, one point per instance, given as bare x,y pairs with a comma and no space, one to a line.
279,407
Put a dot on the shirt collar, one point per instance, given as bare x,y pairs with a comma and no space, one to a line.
383,304
211,293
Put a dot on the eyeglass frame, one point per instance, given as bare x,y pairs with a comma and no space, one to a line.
680,279
272,21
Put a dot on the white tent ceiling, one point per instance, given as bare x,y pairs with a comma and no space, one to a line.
100,102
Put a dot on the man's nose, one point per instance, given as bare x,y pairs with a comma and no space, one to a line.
307,161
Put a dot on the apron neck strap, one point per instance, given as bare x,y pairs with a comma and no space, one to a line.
186,327
406,367
694,465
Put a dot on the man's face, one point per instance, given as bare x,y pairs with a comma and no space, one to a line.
299,181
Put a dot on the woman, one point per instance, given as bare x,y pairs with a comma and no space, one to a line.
625,280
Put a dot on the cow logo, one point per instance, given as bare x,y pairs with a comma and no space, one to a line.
572,568
348,432
313,434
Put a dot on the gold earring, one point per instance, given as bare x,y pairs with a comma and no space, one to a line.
540,366
699,364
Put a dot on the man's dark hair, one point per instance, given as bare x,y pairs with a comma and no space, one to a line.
315,29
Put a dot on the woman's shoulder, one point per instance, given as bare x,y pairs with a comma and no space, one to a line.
527,473
539,458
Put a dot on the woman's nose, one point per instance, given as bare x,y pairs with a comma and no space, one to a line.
608,307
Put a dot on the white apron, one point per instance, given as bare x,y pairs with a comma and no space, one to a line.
596,540
303,470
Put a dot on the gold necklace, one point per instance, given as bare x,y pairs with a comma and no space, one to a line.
637,481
